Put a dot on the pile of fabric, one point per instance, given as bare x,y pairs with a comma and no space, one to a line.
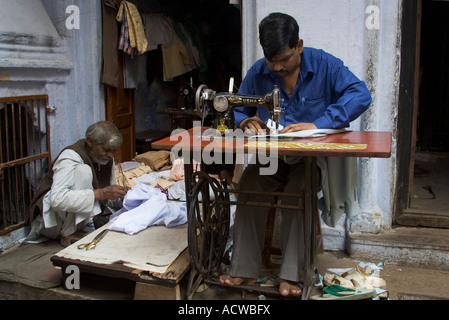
154,183
146,206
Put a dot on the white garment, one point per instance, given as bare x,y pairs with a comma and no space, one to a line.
147,206
64,198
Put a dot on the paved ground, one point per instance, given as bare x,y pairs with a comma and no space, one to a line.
27,273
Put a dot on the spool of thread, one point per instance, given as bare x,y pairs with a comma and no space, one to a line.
231,85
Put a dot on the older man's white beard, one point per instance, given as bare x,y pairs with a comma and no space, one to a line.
102,161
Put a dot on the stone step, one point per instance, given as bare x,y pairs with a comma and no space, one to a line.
417,247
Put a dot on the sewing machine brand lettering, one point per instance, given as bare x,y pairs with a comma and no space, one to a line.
235,309
243,100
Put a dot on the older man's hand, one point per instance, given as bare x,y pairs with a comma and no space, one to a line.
112,192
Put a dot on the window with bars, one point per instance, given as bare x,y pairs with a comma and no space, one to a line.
24,156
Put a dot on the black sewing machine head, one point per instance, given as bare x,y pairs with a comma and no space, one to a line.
187,94
221,105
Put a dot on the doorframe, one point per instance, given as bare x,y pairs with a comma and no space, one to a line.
407,123
407,106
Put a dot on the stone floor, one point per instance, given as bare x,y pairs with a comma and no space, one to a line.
404,282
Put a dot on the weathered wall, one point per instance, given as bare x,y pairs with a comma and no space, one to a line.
50,58
40,54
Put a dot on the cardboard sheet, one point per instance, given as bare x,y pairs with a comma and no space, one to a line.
153,249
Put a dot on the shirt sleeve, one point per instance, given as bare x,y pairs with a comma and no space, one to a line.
246,87
352,99
63,197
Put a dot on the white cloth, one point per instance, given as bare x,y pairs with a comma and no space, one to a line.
152,177
312,133
148,206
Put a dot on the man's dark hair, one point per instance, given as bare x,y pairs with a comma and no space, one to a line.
276,32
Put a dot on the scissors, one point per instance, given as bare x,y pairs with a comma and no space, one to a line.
93,243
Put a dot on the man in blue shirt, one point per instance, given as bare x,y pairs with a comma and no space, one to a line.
318,92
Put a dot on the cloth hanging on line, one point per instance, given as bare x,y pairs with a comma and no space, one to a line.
179,54
132,32
110,69
124,42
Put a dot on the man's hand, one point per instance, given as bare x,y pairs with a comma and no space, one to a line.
113,192
298,127
254,126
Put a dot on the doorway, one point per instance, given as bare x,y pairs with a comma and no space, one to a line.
160,104
427,200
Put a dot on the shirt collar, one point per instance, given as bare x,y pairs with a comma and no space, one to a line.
306,66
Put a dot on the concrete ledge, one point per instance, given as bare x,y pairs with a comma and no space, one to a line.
418,247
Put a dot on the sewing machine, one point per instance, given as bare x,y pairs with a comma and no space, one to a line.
187,94
221,105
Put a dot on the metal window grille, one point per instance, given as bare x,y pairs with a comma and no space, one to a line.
24,156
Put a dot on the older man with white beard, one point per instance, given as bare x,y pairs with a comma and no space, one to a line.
79,185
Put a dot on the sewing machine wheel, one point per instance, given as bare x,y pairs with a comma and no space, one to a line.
208,224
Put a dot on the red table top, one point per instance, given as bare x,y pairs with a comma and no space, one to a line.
373,144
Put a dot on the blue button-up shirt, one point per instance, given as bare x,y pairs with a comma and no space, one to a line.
327,93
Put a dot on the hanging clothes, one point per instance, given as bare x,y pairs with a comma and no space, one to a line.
134,31
110,69
176,61
179,55
124,41
191,37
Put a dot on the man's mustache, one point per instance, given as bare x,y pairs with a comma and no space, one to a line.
281,72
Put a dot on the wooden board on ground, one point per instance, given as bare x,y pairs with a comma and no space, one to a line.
162,285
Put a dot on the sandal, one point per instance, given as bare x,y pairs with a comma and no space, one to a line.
334,279
361,279
336,292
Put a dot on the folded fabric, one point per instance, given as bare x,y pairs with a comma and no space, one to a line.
157,160
147,206
163,183
152,177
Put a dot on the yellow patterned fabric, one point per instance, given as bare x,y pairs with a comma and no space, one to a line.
136,30
306,145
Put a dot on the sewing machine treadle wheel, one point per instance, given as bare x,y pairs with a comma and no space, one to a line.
208,224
